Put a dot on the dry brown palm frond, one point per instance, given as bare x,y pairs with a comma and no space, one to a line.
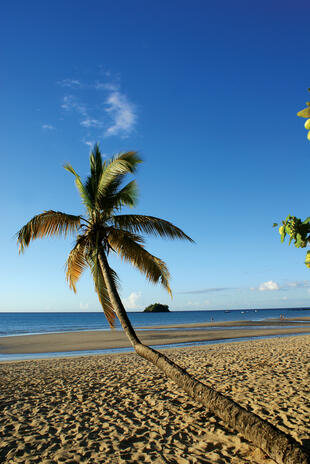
76,262
130,250
123,233
150,225
49,223
101,289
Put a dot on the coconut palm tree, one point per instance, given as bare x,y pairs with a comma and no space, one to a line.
103,231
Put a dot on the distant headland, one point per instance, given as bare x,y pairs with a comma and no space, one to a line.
157,308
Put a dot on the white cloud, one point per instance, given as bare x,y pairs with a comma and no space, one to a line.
71,103
89,143
48,127
102,109
73,83
105,86
91,123
270,285
122,113
131,301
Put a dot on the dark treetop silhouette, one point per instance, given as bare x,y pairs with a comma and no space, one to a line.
103,231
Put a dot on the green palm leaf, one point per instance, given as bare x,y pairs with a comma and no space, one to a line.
118,167
127,196
81,188
96,163
49,223
96,168
115,200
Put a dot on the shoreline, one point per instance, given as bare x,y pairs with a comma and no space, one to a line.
114,339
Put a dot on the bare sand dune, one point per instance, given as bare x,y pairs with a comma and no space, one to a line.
120,409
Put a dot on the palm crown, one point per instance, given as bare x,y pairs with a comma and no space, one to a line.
103,229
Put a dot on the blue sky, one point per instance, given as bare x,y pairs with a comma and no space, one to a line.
208,94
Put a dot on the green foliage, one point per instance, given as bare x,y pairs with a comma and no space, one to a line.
157,308
305,113
298,232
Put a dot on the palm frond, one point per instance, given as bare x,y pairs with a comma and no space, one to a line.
115,200
76,262
118,167
106,202
131,157
150,225
101,289
96,168
130,250
113,232
96,162
49,223
127,196
86,199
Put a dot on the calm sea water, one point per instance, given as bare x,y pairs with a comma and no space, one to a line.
13,324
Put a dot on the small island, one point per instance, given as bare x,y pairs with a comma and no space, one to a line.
157,308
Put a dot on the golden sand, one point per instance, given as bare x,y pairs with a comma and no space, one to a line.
121,409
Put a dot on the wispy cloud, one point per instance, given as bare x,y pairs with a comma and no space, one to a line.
108,111
91,123
206,290
48,127
122,112
72,103
271,285
297,284
131,301
89,143
197,304
105,86
72,83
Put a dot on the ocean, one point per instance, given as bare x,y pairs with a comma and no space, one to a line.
14,324
17,324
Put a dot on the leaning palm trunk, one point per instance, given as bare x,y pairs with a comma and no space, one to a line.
276,444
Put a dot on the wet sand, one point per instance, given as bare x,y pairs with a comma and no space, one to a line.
100,340
120,409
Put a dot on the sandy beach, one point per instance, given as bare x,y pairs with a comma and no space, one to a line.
120,409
